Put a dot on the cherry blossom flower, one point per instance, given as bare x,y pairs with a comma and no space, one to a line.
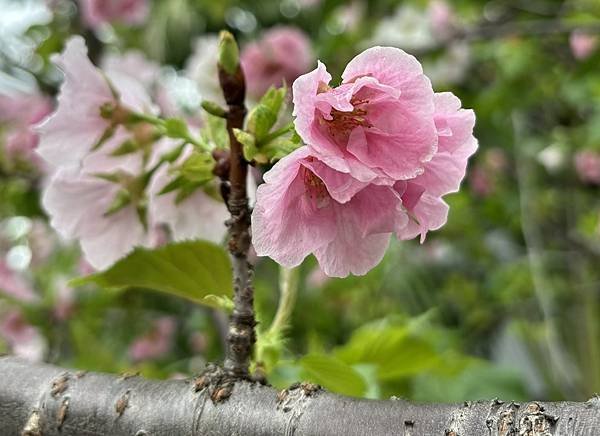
587,165
98,12
201,68
281,56
383,150
306,207
17,114
24,339
78,202
155,343
15,286
379,121
77,124
582,44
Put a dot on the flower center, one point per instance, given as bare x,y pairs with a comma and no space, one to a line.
343,123
315,189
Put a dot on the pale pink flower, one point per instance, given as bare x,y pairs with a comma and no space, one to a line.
582,44
15,286
280,56
97,12
587,165
155,343
378,122
77,201
198,216
441,18
201,68
77,124
306,207
64,300
132,63
23,339
18,113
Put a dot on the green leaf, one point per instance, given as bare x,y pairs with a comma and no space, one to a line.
396,352
264,115
333,374
176,128
278,148
215,131
198,167
199,271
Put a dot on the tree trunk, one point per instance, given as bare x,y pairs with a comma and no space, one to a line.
44,400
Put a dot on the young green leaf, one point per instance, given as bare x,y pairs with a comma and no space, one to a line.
333,374
199,271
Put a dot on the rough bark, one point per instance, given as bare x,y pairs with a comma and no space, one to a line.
44,400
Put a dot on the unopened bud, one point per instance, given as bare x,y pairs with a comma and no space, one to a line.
214,108
229,53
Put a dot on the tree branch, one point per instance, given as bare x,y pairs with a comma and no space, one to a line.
47,400
242,335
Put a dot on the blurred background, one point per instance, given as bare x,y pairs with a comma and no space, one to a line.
504,301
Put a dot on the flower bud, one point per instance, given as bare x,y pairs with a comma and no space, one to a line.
229,53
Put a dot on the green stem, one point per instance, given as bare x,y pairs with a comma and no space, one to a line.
288,289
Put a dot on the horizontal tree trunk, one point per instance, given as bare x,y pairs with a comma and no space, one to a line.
44,400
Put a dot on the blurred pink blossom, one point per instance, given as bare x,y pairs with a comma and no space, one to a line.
18,113
97,12
15,286
156,343
78,203
280,56
64,300
441,18
23,339
587,165
582,44
77,124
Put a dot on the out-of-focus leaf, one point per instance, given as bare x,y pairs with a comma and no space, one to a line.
333,374
197,270
393,349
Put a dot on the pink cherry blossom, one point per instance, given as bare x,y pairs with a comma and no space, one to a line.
587,165
155,343
583,44
281,56
441,18
24,339
15,286
77,201
306,207
378,122
97,12
198,216
77,124
17,114
422,196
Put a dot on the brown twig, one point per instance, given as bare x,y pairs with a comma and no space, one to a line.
241,335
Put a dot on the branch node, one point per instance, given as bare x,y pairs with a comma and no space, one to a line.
32,427
60,385
122,403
